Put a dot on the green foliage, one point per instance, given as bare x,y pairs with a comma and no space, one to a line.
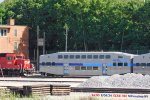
92,24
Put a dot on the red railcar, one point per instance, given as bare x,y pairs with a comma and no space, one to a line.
12,64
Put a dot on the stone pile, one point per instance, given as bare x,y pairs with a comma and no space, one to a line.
129,80
94,82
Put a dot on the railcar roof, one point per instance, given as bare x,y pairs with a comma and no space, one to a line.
122,53
145,54
100,52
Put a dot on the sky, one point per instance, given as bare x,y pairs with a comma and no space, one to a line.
1,1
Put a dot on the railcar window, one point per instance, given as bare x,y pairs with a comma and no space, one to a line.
143,64
89,68
77,56
53,63
95,56
43,63
120,56
48,63
83,68
77,67
83,56
125,64
95,68
107,56
120,64
89,56
60,56
3,55
137,64
101,56
65,56
9,58
19,57
71,56
148,64
114,64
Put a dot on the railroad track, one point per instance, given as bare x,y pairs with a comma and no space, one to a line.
110,90
42,81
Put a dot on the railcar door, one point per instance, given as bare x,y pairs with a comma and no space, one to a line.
66,70
104,69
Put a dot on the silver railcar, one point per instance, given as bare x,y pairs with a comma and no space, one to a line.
141,64
85,63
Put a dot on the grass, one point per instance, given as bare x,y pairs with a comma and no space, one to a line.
12,96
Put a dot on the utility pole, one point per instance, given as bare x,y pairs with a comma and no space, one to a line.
37,57
122,41
66,40
66,34
44,43
1,21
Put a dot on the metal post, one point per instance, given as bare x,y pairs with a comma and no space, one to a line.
37,57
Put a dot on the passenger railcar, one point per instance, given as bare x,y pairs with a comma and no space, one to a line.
141,64
85,63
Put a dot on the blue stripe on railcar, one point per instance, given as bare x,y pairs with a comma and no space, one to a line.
129,65
59,64
109,65
134,64
75,64
92,64
83,64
